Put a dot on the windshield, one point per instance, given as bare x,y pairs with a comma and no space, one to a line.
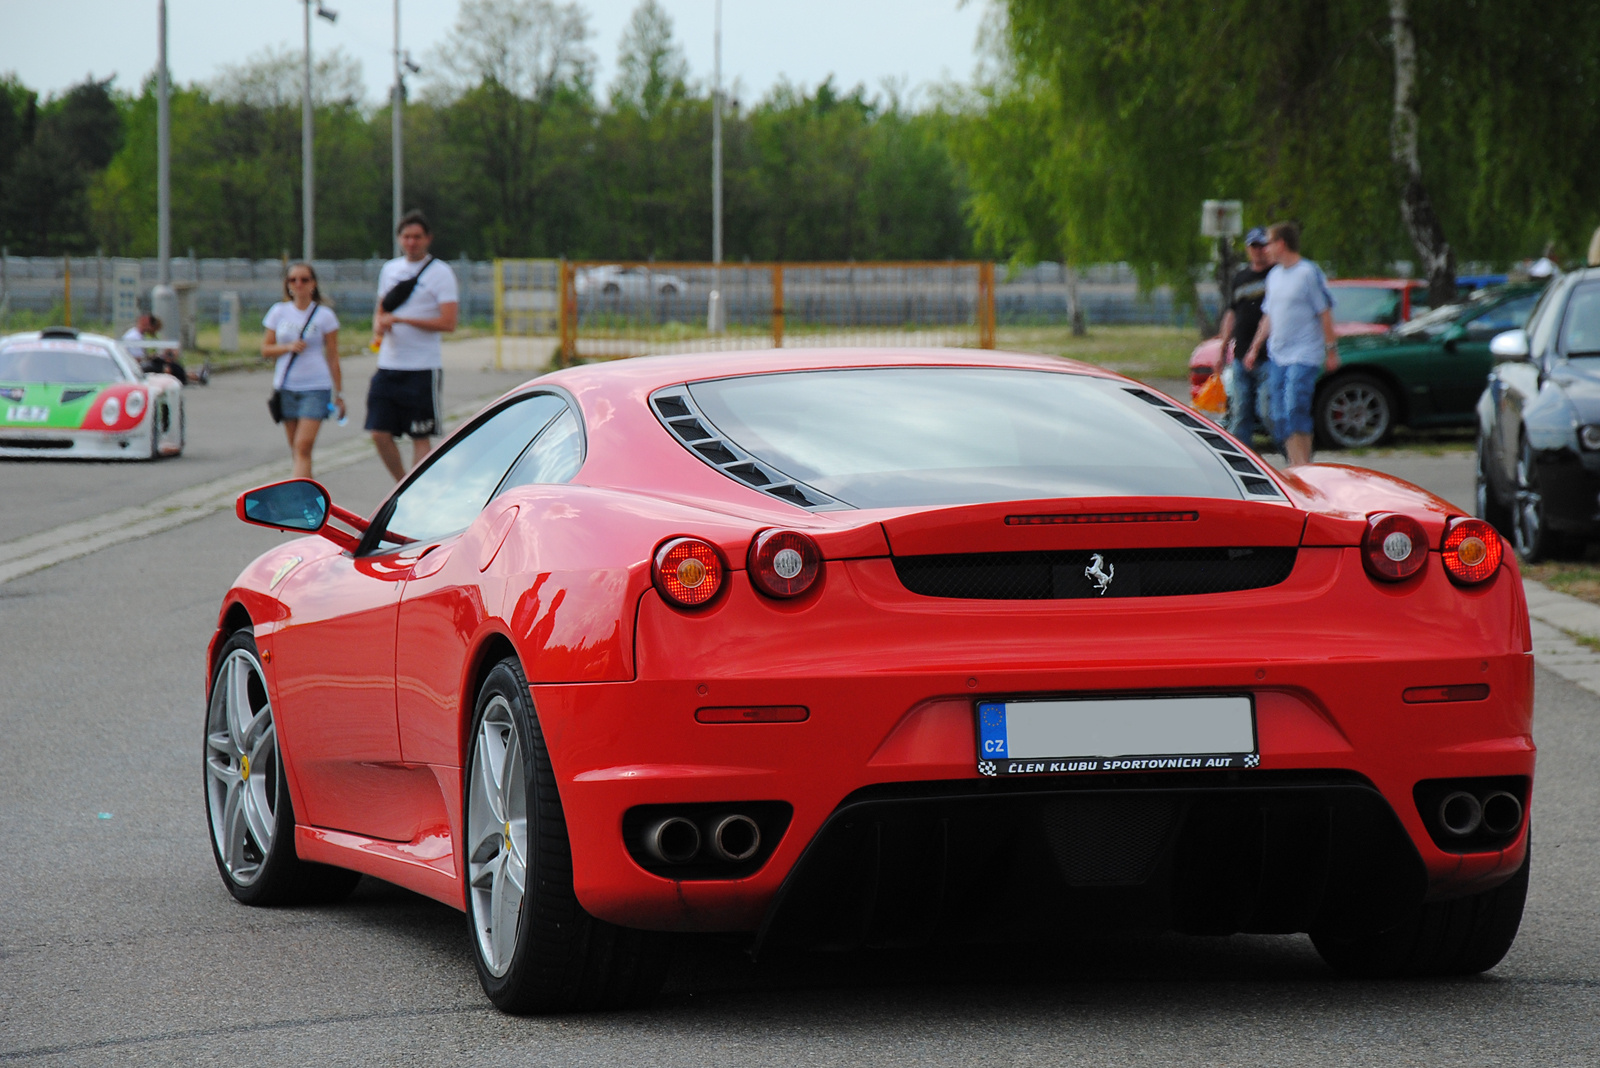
1580,328
1366,304
68,364
888,437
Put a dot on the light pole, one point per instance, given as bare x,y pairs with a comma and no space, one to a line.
163,153
716,137
308,215
402,63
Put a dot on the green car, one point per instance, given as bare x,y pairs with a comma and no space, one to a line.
1424,373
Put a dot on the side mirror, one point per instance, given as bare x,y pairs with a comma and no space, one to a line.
1510,346
300,505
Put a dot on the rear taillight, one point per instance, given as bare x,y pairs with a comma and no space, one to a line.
1394,548
688,571
784,563
1471,550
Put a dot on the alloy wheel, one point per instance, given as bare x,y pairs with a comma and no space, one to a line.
1358,415
1528,529
497,836
241,767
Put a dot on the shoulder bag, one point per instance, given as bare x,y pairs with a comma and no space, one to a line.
403,289
275,400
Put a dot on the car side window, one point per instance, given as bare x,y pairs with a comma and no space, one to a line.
1542,324
1580,326
555,456
447,495
1508,316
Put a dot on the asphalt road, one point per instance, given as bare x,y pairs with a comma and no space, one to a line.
118,943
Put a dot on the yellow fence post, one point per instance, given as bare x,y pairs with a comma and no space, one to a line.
986,304
499,312
568,301
777,305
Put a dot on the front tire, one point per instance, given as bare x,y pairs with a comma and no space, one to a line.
247,795
1488,506
536,949
1462,936
1530,531
1354,411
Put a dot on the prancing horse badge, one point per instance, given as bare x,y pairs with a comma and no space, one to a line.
1100,572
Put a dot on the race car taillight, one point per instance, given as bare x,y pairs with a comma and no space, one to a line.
688,572
784,563
1394,547
1472,550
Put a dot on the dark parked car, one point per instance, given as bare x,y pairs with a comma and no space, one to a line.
1539,424
1423,373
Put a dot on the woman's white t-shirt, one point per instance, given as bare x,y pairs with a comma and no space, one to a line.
310,370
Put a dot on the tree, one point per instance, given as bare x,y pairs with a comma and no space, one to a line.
52,154
1416,206
651,68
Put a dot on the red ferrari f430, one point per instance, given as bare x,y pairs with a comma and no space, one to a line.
841,648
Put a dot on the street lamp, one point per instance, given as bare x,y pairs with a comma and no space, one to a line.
402,63
716,314
307,178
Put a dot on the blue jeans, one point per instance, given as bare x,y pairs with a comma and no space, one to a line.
1247,397
1293,386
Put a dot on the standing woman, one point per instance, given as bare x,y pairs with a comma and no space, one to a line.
303,336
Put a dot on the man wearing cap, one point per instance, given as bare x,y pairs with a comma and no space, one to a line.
1239,323
1297,324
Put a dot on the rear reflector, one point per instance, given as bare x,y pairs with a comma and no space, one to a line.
757,714
1100,517
1422,695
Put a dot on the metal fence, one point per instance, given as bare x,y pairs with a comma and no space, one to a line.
612,310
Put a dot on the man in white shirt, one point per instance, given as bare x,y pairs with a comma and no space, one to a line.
417,301
1297,329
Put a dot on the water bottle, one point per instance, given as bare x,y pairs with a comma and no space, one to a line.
333,409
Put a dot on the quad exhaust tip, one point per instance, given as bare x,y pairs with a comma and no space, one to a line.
1502,813
1461,813
673,840
735,838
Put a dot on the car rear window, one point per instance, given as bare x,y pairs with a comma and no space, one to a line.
1366,304
898,436
79,364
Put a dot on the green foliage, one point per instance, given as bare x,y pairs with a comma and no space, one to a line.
48,156
1112,119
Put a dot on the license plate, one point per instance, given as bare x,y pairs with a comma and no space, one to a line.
1116,734
24,413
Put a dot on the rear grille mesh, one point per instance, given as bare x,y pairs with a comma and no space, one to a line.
1040,576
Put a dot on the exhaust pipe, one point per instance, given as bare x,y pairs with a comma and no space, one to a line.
673,840
1502,813
1461,814
735,838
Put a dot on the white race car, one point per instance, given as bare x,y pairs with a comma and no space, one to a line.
70,394
615,280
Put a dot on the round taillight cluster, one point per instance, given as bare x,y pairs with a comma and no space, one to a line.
1395,547
784,563
688,571
1472,550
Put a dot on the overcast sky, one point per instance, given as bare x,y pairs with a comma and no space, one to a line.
53,44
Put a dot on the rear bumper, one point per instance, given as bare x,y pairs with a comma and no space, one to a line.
891,681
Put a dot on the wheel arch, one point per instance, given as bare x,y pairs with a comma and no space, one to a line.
493,646
1402,403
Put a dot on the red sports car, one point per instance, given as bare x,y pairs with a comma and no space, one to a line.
831,648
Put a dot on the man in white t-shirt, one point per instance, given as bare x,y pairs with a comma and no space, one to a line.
417,301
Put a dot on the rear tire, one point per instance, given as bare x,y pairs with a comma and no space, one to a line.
1354,411
1530,530
558,958
247,796
1462,936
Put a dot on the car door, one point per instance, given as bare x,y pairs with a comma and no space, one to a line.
1515,384
444,605
1466,360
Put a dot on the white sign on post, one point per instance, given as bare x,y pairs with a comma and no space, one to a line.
228,321
1222,218
124,294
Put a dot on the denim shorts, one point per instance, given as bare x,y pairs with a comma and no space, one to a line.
1293,387
306,403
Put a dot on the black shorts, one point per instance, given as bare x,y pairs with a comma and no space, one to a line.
404,402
